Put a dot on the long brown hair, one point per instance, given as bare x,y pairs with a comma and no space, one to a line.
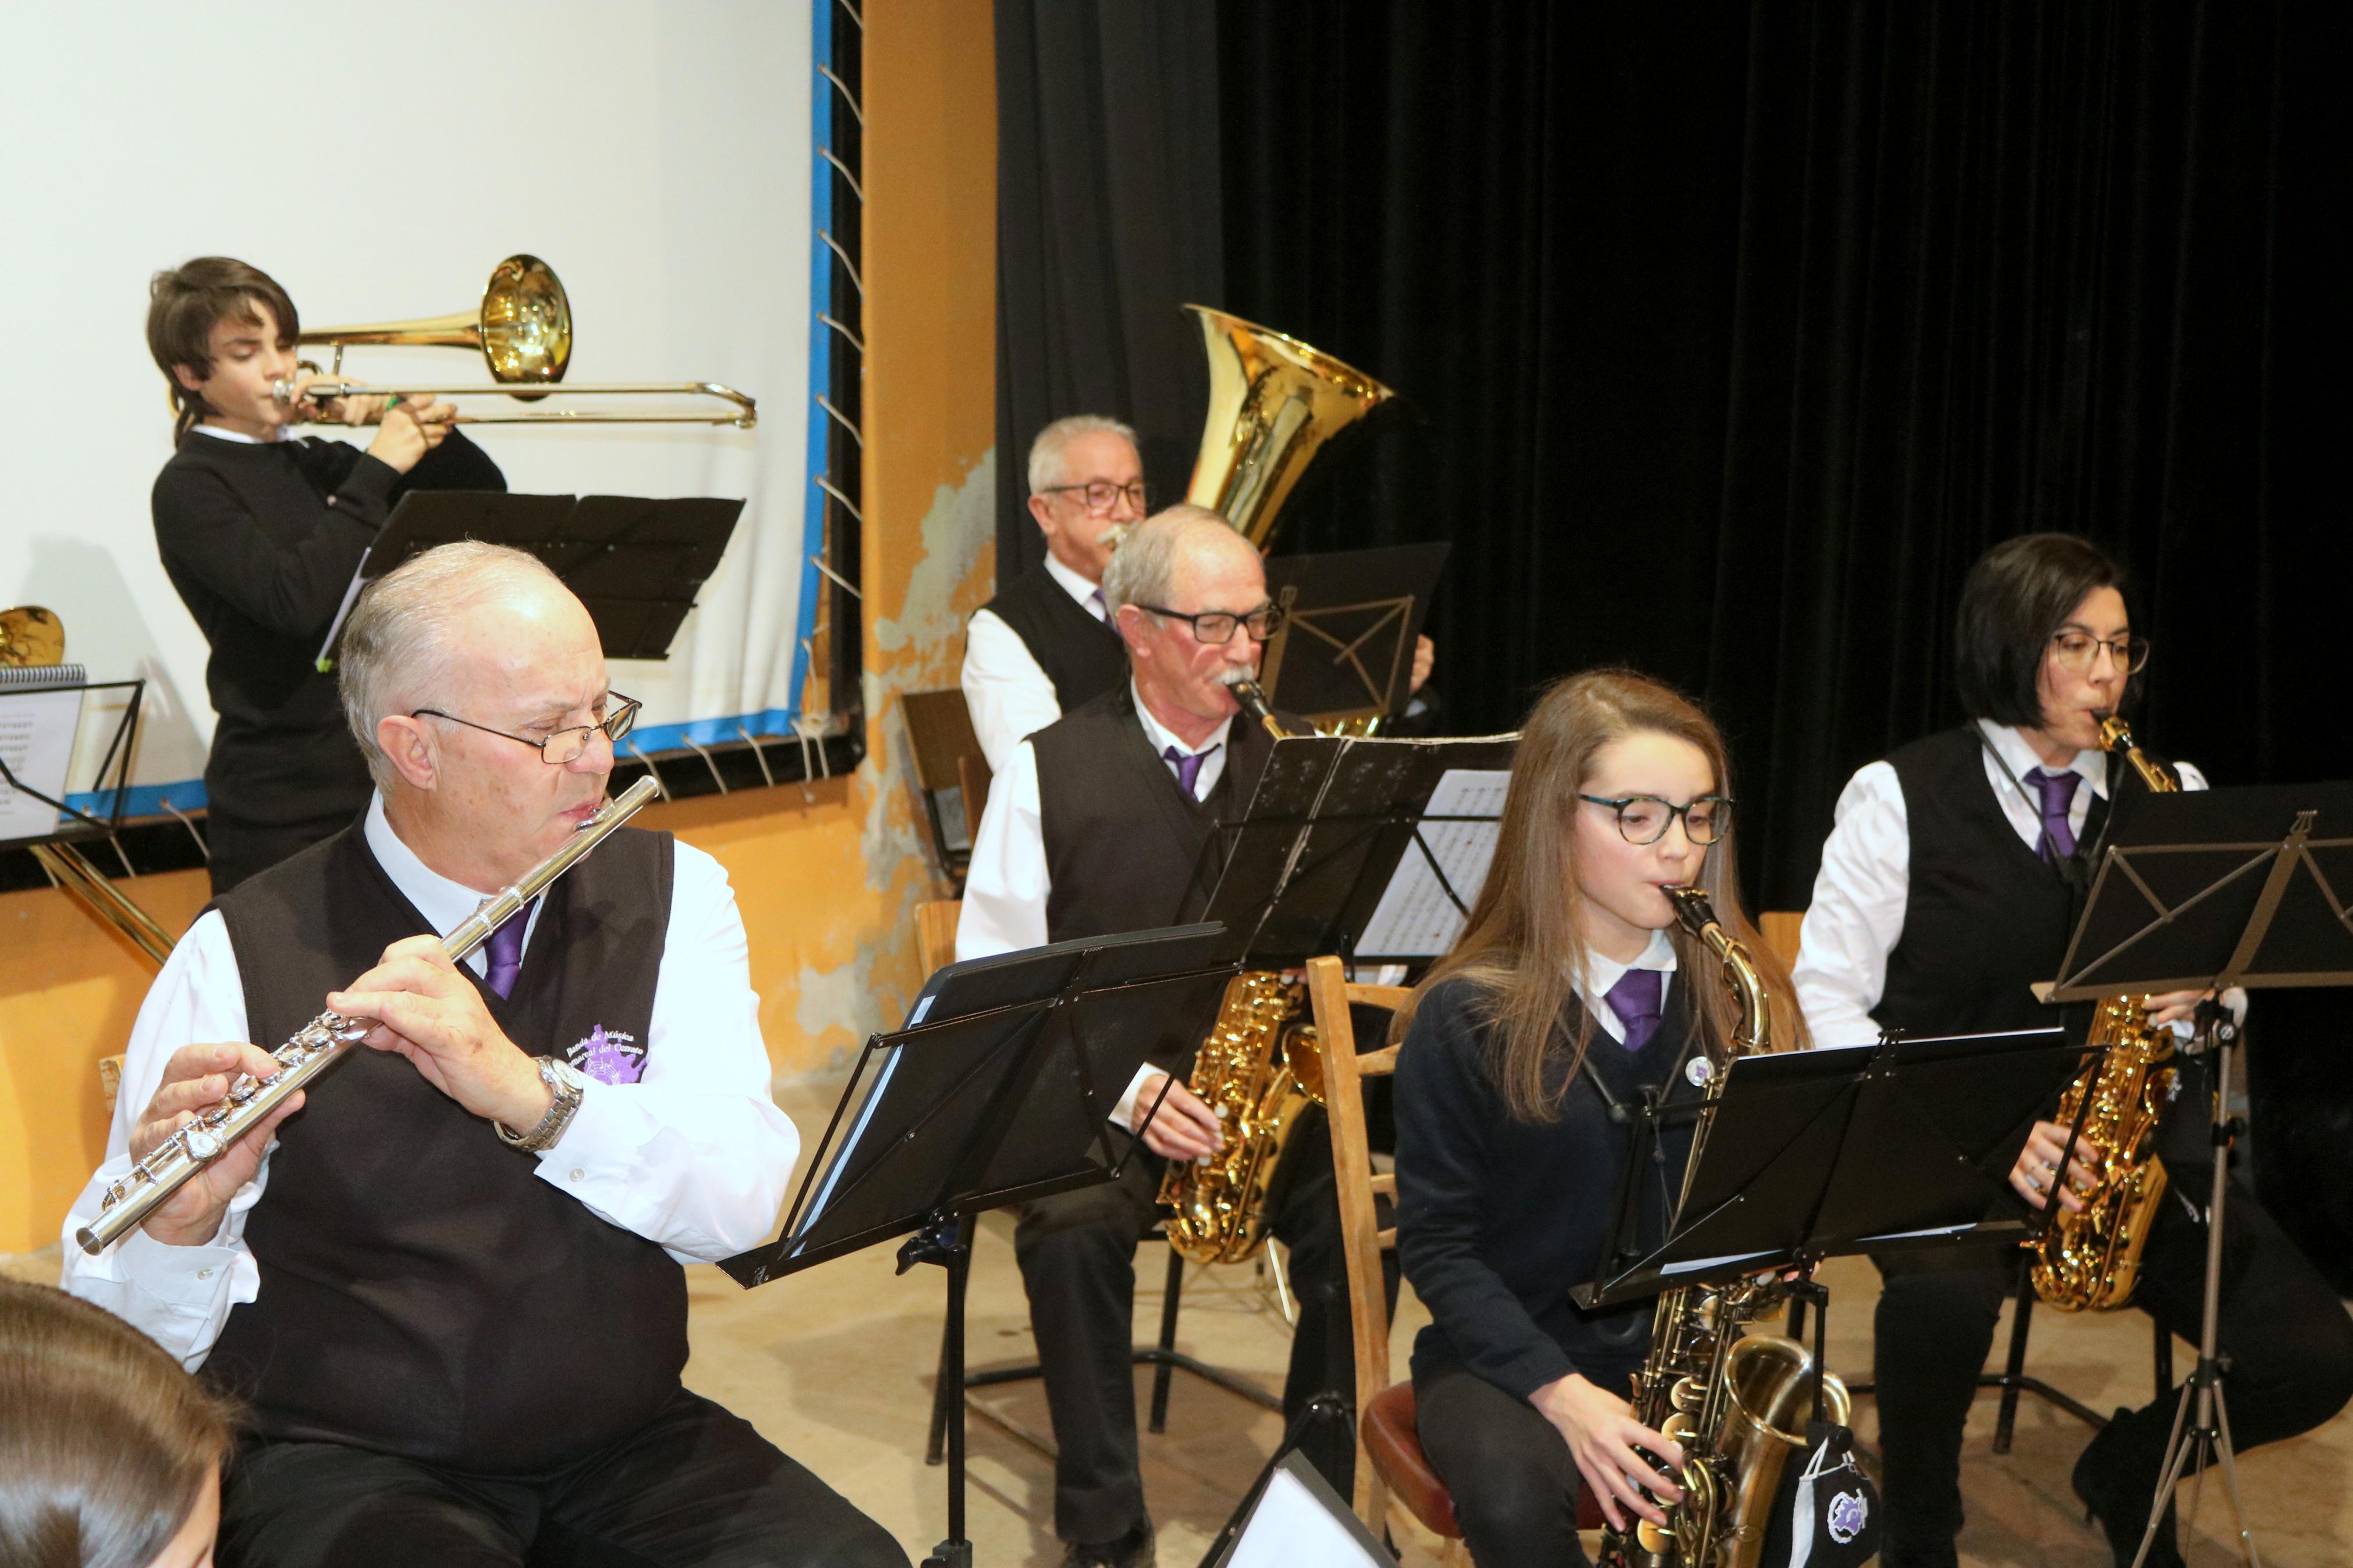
1524,944
105,1442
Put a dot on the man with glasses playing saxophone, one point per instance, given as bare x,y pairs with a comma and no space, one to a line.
1098,823
1947,887
449,1289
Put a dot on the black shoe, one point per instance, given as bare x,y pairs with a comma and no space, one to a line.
2117,1484
1134,1550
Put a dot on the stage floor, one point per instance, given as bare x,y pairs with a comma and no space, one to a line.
836,1366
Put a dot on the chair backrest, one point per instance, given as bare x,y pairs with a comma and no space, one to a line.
1781,930
948,761
936,929
1359,1188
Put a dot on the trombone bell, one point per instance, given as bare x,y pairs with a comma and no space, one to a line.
523,326
1273,402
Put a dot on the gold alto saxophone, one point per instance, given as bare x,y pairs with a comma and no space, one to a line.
1258,1070
1736,1403
321,1045
2090,1261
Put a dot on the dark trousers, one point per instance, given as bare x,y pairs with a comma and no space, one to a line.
1077,1253
696,1486
1507,1468
2284,1335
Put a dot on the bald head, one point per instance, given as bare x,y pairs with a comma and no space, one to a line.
443,618
1181,542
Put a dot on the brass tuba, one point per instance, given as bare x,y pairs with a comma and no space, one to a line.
1736,1402
2090,1261
1273,402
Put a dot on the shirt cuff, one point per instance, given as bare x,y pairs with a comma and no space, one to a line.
601,1138
1130,1100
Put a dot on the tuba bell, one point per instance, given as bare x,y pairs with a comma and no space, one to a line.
1274,402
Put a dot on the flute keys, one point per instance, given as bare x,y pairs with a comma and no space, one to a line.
202,1144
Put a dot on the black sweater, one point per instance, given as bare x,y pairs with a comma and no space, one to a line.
1498,1219
261,540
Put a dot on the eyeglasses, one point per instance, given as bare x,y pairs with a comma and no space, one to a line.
1643,818
563,745
1102,495
2078,652
1214,628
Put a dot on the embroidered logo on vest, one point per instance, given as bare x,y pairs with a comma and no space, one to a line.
1848,1513
608,1056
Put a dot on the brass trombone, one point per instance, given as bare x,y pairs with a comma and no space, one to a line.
523,332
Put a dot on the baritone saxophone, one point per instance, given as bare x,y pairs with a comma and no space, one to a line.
2091,1260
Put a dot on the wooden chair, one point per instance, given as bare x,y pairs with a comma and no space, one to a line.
936,929
949,770
1390,1459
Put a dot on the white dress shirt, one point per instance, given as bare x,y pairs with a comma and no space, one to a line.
1601,973
1004,685
1857,914
1007,884
694,1156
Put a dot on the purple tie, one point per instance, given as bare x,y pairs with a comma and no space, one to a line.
1635,1000
1103,611
506,950
2058,792
1188,769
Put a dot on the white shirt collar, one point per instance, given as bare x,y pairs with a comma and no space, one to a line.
219,433
444,904
2018,756
1601,973
1162,737
1076,586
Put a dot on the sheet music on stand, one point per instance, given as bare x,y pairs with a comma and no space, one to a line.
1338,824
44,711
1417,916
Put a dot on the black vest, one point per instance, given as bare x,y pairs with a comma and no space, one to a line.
1985,917
424,1292
1081,655
1125,846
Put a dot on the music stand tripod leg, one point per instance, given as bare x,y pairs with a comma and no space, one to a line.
947,1240
2208,1437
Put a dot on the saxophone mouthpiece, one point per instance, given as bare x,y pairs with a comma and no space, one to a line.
1252,697
1692,906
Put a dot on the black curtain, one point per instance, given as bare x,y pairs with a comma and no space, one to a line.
1108,222
1729,340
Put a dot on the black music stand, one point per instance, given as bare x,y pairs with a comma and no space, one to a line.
1898,1146
1352,617
635,563
2208,890
1335,822
997,1091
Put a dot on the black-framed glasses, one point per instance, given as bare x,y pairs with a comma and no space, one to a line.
1214,628
2078,652
1102,495
561,746
1643,818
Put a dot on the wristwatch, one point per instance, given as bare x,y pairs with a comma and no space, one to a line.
566,1083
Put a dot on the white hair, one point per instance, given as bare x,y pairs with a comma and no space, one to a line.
394,650
1144,572
1046,469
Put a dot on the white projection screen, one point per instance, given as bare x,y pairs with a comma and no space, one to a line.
379,161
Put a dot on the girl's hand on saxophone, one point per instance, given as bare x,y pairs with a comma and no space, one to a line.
196,1080
1607,1445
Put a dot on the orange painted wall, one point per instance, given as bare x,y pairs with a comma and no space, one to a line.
828,878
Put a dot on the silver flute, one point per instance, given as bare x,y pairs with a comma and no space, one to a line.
322,1044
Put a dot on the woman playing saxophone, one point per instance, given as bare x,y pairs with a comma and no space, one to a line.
1573,995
